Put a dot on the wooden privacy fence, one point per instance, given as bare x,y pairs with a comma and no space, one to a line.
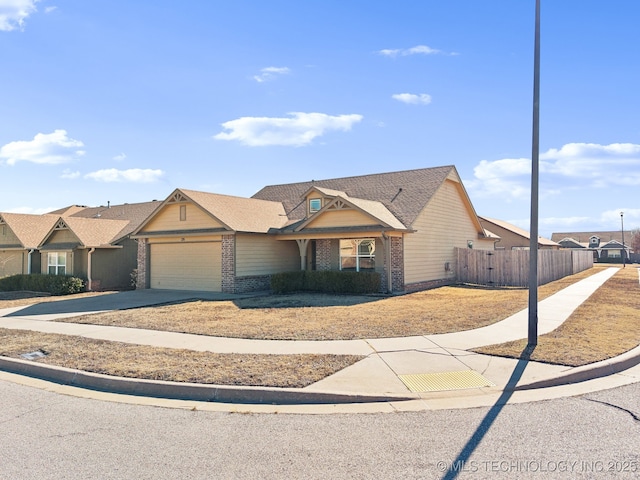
510,268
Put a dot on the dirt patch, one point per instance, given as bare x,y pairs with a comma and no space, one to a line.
607,324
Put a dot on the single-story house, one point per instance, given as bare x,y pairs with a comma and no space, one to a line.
20,236
512,237
606,246
89,242
94,243
404,225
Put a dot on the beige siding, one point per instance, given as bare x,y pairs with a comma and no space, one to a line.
193,238
263,255
443,224
7,237
168,218
61,236
186,266
341,218
12,262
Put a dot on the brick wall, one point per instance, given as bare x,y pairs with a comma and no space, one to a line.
229,263
142,280
397,264
323,254
254,283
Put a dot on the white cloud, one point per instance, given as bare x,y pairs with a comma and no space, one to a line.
14,12
270,73
417,50
31,210
45,148
133,175
70,174
296,131
413,98
573,166
50,9
120,157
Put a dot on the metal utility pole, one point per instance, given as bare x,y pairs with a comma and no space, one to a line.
533,231
624,250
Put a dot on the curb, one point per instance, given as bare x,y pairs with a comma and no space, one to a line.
591,371
185,391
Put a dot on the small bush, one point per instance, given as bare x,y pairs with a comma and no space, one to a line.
54,284
326,282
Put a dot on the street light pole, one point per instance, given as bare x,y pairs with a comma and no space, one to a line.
624,251
533,233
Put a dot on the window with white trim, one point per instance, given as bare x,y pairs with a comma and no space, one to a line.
358,255
57,263
315,204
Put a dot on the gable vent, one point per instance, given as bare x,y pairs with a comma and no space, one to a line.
60,225
177,198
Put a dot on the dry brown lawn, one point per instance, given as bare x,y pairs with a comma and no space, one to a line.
331,317
137,361
605,325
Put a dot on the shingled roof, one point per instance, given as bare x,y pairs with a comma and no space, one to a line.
403,193
133,213
517,230
583,237
30,229
93,232
240,214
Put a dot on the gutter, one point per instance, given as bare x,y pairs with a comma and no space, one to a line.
31,250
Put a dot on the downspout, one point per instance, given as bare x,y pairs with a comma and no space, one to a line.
29,260
91,250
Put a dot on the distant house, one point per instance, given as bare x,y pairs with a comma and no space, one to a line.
89,242
20,237
95,243
512,237
606,246
403,225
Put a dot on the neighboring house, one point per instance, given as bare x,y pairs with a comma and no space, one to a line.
20,236
94,243
606,246
512,237
404,225
89,242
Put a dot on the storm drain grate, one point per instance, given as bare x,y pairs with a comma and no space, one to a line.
436,382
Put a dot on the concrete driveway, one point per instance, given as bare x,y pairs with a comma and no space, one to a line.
123,301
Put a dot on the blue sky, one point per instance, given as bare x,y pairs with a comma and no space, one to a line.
124,101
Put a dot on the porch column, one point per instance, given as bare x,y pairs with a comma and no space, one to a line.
302,246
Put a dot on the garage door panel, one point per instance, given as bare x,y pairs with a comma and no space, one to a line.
186,266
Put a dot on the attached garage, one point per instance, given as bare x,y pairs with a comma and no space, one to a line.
186,266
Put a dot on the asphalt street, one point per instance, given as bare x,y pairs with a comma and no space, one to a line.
45,435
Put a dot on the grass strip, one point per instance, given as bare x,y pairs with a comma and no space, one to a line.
177,365
607,324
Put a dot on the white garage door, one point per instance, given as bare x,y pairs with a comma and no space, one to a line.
186,266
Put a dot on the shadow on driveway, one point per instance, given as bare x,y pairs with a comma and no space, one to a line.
123,301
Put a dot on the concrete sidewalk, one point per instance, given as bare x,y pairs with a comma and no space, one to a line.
417,372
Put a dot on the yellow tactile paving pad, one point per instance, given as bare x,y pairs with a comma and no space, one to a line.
435,382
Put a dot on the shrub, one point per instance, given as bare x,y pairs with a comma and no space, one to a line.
54,284
287,282
326,281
